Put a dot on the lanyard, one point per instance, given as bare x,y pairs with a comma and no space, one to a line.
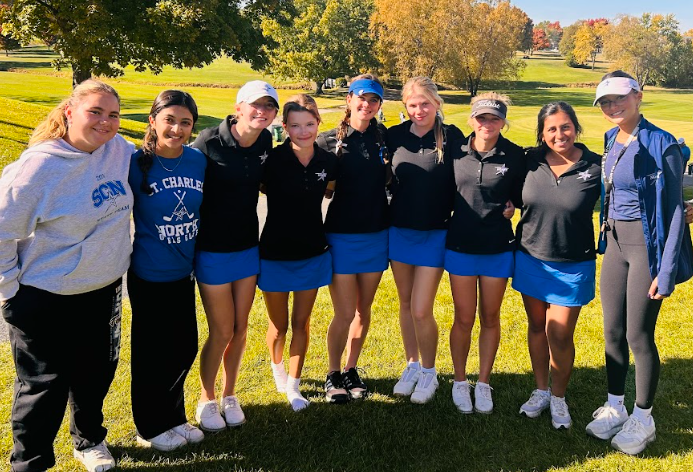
609,182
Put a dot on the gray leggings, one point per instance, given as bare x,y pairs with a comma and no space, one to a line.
629,315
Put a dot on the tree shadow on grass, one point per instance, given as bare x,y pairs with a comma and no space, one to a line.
383,433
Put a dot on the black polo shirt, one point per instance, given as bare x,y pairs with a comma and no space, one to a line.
556,223
294,229
422,189
484,185
228,216
359,204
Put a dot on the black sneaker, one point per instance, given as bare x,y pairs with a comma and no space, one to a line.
352,382
335,392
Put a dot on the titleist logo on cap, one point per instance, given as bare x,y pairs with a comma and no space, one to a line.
488,104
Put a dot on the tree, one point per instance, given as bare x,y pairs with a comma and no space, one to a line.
539,40
641,46
7,42
460,42
324,38
406,45
527,37
567,44
553,32
589,39
102,37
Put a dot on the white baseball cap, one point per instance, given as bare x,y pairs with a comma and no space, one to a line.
615,86
256,89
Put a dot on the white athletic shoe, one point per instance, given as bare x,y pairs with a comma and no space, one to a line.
209,418
634,436
560,416
607,422
166,441
97,458
483,399
425,388
537,403
231,409
190,433
462,398
407,382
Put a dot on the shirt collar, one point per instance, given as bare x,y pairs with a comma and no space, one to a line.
225,132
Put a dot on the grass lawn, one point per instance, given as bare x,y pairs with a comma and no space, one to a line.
384,433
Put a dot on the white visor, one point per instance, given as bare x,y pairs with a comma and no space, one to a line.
616,86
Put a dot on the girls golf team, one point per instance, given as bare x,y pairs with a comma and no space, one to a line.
65,244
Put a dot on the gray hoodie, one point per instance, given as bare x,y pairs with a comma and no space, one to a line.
65,218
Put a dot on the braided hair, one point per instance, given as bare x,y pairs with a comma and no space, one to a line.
166,99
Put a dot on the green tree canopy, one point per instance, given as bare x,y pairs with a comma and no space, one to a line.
320,39
102,37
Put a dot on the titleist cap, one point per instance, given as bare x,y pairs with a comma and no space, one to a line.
494,107
615,86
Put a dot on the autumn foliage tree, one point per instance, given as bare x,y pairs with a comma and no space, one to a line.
460,42
641,45
589,40
539,40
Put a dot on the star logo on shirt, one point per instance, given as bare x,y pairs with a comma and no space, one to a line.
321,175
584,175
263,157
501,170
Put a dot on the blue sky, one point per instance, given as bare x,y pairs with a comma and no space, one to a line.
567,12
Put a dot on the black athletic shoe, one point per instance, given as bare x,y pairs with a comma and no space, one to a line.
352,382
333,385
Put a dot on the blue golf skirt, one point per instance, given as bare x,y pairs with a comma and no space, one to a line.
293,276
358,253
217,268
419,248
489,265
558,283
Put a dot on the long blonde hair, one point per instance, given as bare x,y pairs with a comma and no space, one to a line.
55,124
426,87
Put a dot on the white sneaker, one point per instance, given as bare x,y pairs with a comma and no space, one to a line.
483,400
607,421
560,416
231,409
634,436
166,441
425,388
537,403
209,418
462,398
407,382
190,433
97,458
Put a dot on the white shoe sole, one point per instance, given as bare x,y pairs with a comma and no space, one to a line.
532,414
148,444
604,436
635,450
561,425
210,430
234,425
465,412
483,412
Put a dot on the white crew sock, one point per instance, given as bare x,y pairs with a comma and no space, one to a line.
431,370
297,401
279,374
616,401
462,383
643,414
414,365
